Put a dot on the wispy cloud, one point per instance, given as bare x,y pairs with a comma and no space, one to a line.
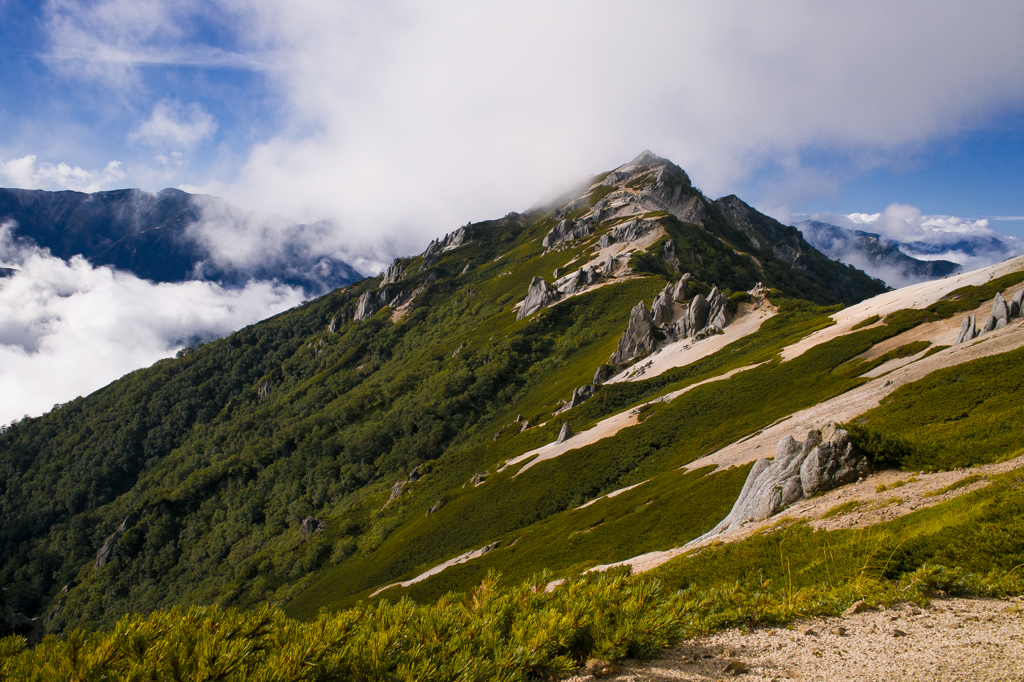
69,328
171,122
25,173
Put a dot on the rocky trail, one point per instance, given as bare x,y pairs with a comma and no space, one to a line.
952,640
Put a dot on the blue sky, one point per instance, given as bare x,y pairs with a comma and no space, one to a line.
399,120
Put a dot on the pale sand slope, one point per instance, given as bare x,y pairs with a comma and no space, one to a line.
915,296
749,318
857,401
461,559
875,507
954,640
605,428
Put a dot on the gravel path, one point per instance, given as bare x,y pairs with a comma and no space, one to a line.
955,639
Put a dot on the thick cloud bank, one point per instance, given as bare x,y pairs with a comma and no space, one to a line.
401,120
971,243
68,328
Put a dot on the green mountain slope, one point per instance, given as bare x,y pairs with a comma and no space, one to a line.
198,472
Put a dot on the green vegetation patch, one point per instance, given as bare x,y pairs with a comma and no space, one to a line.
961,416
866,323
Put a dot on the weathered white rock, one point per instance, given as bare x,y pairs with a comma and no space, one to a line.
1017,304
679,291
393,273
577,280
1000,311
638,338
967,331
824,461
662,309
565,434
538,296
633,230
310,527
566,231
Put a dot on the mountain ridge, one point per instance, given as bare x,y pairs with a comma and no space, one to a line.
390,409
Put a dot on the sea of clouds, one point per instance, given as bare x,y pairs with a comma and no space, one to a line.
70,328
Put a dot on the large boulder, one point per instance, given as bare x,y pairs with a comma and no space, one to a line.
638,338
663,309
824,461
577,280
367,306
679,291
538,296
967,330
393,273
566,231
310,527
1017,304
1000,311
718,310
633,230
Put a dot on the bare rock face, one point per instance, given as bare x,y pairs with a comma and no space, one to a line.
367,306
393,273
679,291
332,327
1000,311
103,555
967,331
638,337
633,230
704,316
264,389
718,310
605,241
566,231
609,265
456,238
603,374
824,461
696,316
565,434
1017,304
577,280
579,396
670,254
310,527
793,256
662,309
538,296
432,254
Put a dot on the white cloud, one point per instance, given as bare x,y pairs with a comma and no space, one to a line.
67,328
24,173
971,243
402,120
175,124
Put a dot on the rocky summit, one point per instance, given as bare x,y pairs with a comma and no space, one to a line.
489,431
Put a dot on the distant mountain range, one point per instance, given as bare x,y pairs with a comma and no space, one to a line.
887,259
153,236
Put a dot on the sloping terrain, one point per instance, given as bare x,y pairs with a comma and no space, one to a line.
410,421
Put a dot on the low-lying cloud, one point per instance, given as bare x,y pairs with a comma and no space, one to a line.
69,328
25,173
971,243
